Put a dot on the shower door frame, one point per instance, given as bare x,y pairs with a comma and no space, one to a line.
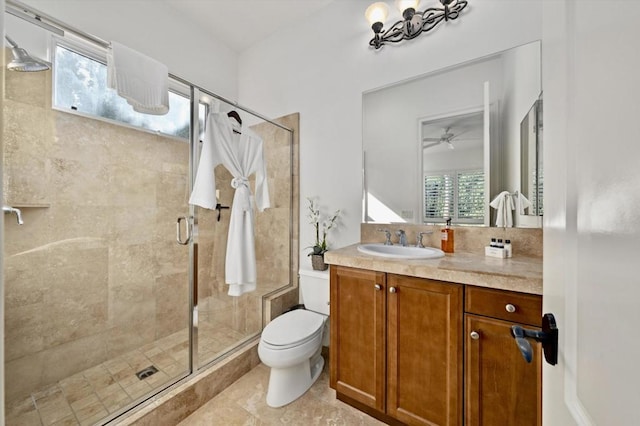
194,157
197,94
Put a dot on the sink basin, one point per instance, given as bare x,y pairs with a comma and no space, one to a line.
400,252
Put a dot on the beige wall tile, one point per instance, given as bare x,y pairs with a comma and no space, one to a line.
24,375
33,88
472,239
172,303
77,355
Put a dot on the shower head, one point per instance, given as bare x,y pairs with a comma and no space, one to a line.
22,61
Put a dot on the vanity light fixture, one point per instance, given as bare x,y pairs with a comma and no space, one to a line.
414,22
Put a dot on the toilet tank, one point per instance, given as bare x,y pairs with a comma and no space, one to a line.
314,290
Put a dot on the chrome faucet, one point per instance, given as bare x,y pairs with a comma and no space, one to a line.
419,238
402,237
9,209
387,235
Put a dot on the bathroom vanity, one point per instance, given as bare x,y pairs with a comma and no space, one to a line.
428,342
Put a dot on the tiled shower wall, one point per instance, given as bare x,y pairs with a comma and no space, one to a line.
95,270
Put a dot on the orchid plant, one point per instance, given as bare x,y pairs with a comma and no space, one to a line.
321,226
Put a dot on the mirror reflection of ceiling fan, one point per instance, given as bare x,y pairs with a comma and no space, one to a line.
447,138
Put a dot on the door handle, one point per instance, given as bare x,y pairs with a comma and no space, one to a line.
179,231
548,337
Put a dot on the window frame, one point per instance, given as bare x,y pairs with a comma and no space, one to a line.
98,54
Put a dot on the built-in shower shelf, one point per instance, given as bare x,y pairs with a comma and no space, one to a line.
29,205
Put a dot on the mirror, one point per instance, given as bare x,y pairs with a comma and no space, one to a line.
448,142
531,176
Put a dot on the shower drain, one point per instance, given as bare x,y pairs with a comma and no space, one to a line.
146,372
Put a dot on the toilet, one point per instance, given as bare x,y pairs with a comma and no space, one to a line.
291,344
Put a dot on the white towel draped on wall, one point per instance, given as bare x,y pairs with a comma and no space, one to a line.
504,209
242,154
141,80
523,203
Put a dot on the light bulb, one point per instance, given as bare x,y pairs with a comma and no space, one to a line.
377,12
403,5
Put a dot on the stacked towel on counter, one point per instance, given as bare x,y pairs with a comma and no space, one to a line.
504,209
141,80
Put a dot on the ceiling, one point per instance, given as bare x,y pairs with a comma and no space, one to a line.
241,23
463,131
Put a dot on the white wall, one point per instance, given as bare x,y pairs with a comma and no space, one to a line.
155,29
320,67
521,89
471,158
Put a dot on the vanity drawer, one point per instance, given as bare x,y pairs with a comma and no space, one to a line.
507,305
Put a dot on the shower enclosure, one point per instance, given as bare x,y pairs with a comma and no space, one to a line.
103,307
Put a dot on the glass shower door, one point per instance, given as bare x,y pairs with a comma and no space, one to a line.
96,286
226,322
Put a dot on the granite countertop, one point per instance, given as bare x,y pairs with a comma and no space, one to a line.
523,274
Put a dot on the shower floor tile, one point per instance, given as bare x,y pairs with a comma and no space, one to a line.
92,395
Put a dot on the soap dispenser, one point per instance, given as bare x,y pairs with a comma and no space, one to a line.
446,238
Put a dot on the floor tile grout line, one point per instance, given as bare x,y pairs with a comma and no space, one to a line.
168,342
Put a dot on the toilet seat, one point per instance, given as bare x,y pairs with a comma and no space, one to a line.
292,329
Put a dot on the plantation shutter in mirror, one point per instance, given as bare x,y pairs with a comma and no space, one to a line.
454,194
470,195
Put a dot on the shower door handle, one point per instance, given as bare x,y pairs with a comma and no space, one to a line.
179,231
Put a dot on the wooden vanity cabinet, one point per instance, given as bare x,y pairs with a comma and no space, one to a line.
424,351
501,389
358,331
396,346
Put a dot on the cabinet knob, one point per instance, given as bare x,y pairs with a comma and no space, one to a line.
392,290
378,287
510,308
474,335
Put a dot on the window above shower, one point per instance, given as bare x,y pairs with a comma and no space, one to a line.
80,86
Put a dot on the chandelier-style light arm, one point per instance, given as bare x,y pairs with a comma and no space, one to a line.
415,23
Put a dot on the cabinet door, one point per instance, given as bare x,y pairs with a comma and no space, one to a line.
501,388
424,351
357,344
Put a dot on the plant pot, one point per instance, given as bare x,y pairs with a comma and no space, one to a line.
317,262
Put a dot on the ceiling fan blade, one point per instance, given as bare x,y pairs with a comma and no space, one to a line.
431,139
458,134
463,139
429,145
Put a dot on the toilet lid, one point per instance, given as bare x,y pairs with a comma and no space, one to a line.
292,327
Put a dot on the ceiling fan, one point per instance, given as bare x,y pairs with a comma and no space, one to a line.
447,138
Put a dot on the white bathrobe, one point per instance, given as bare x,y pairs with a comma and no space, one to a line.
242,154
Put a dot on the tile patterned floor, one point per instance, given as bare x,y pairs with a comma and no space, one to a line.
89,396
243,403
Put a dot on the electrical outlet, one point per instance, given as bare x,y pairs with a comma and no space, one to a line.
407,214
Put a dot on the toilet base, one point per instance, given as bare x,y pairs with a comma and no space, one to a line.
288,384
